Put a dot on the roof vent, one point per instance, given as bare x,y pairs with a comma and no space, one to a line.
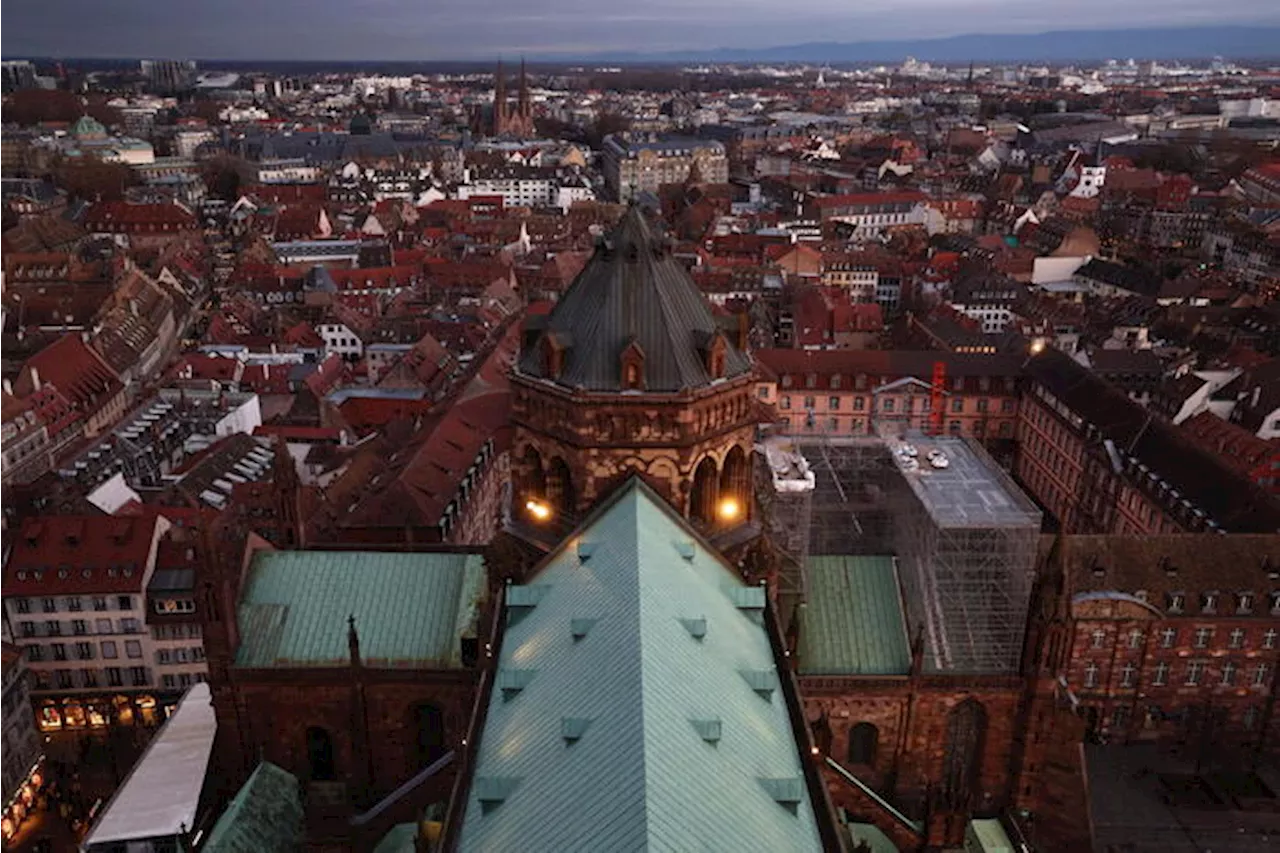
787,791
585,550
573,728
580,628
708,729
521,599
762,681
1167,565
492,791
747,597
697,628
686,550
512,681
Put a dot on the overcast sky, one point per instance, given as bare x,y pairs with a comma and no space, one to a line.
480,29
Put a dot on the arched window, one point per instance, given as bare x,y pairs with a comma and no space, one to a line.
863,739
962,758
428,723
320,754
735,484
560,490
533,480
706,482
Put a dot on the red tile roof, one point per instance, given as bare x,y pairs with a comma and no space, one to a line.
850,199
75,370
77,554
120,216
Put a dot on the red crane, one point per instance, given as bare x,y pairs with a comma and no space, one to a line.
936,402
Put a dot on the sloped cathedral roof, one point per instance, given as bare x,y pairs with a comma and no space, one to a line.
632,292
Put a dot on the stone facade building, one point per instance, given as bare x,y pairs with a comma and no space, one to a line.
354,670
632,167
1172,638
631,372
1103,464
861,393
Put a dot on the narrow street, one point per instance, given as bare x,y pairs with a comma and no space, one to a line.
82,769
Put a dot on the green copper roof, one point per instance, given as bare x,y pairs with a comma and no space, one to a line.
852,622
410,609
266,814
637,734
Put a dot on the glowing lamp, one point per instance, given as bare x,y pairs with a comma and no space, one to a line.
729,509
539,510
1037,347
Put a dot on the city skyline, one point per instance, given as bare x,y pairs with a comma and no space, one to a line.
394,30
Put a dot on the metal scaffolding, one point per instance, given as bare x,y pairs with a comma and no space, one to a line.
964,534
966,546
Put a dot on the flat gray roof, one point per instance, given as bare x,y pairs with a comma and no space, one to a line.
972,491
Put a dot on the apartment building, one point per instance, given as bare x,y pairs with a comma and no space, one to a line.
635,166
1101,463
21,758
869,215
75,594
876,392
1171,637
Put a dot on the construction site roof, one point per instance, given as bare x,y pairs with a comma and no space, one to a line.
971,491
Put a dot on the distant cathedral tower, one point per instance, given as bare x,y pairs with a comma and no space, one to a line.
505,122
633,373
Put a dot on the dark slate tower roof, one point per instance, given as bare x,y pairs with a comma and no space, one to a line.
633,296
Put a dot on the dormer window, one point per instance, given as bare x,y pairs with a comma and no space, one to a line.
632,367
835,382
786,380
1177,601
1210,602
1275,603
553,356
717,349
1244,602
811,381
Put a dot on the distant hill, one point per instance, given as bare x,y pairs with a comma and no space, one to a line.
1260,42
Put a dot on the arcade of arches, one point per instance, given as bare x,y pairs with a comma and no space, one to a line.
719,494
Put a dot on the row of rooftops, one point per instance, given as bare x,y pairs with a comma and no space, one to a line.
1199,489
1151,567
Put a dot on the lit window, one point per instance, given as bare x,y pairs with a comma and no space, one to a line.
1236,640
1128,674
1091,674
1261,674
1269,638
1135,639
1203,636
1099,638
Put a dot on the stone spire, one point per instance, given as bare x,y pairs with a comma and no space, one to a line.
499,101
524,107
